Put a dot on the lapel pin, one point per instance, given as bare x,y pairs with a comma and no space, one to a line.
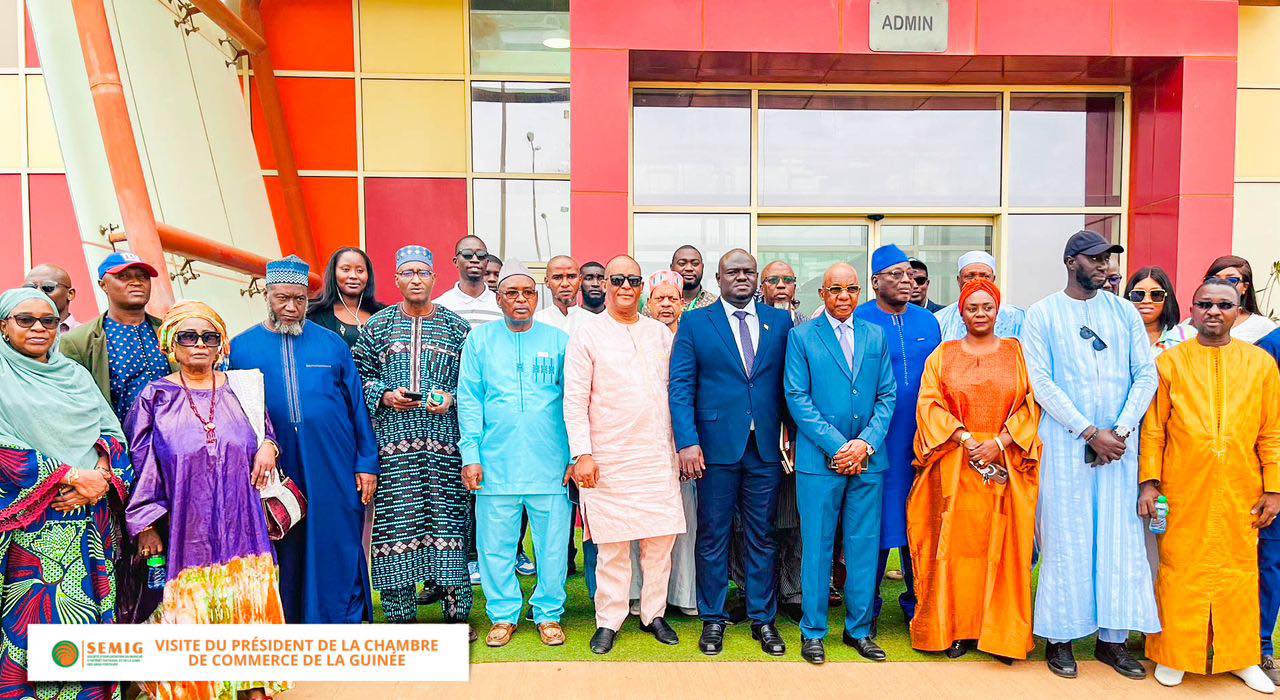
766,326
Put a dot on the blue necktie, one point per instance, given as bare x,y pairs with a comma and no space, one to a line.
744,334
846,344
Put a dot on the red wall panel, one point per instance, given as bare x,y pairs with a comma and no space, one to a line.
811,26
422,211
320,114
310,34
11,230
333,208
55,238
33,57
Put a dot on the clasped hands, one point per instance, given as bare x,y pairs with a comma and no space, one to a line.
851,459
83,487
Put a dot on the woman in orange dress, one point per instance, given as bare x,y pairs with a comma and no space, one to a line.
972,512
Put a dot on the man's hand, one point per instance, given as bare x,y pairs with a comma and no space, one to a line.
149,543
397,401
1147,499
851,460
472,477
692,465
443,407
987,452
585,472
1109,446
264,462
1266,509
366,485
568,475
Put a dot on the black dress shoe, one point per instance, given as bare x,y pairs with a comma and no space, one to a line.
793,611
1117,656
661,631
602,640
958,648
1006,660
813,651
770,640
712,640
866,648
430,595
1060,659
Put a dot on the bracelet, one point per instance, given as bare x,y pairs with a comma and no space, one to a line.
1000,444
1092,435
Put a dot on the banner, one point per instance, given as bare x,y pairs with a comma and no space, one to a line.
248,652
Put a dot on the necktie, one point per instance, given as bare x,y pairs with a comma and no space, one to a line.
744,334
846,344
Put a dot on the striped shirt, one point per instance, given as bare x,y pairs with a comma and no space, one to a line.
474,310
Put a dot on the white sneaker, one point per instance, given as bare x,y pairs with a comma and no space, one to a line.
1168,677
1256,679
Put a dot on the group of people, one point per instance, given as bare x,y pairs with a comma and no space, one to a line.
698,438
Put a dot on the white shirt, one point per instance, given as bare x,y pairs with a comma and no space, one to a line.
753,327
474,310
569,323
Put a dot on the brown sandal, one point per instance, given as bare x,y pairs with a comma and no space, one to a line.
500,634
552,634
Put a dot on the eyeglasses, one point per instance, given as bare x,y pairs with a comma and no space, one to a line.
46,287
894,275
513,294
1114,280
1140,295
190,339
921,281
1206,305
1088,334
634,280
780,279
1232,280
468,254
836,290
27,321
407,275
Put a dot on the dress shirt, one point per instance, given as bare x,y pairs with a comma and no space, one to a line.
848,325
753,327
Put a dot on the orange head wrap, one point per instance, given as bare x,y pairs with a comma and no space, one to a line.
978,285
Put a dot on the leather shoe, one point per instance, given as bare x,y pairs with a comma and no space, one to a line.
958,648
1269,667
1060,659
602,640
770,640
1117,656
712,640
661,631
813,651
866,648
793,611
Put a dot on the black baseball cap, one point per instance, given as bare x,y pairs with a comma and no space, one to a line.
917,264
1086,242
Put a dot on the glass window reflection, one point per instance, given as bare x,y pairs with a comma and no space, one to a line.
523,219
1034,261
520,37
691,147
519,127
1065,149
939,247
657,236
881,149
810,249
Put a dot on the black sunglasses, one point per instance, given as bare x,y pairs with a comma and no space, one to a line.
635,281
46,287
468,254
780,279
27,321
1206,305
189,339
1140,295
1088,334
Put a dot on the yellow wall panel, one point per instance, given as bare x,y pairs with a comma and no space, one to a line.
412,36
42,139
1259,57
10,123
415,125
1257,138
1256,230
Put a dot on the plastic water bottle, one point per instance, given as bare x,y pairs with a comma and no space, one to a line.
1160,521
156,572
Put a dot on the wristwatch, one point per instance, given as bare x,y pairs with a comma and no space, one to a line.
966,436
870,450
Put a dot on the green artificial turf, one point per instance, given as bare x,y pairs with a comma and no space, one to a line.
634,645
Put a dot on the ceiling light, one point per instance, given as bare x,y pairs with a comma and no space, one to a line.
556,42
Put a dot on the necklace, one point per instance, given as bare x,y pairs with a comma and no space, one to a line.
354,314
210,429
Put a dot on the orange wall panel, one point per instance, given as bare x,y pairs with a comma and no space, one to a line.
320,114
332,206
310,34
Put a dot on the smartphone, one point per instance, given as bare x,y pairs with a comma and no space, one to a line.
413,395
1090,456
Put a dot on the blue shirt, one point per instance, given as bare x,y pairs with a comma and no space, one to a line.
134,359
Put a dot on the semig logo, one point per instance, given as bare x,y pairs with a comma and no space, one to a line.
66,654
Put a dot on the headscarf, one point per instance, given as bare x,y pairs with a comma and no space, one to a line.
979,285
53,407
665,277
183,311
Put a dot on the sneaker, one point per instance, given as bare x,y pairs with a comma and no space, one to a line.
524,565
473,569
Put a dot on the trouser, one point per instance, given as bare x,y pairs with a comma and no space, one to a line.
498,538
613,580
1105,634
747,490
682,588
1268,589
589,557
908,598
400,604
828,501
472,554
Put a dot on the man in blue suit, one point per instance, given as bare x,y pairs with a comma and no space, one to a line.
727,412
841,393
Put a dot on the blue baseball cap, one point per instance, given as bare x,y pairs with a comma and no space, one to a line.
120,261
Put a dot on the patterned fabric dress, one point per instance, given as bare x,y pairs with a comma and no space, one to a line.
421,508
58,567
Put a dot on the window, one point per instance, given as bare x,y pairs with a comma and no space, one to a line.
1064,149
658,235
692,147
939,247
810,249
520,127
526,220
1036,243
520,37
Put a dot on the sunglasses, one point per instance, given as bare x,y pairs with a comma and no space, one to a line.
468,254
46,287
513,294
190,339
635,281
780,279
1140,295
27,321
407,275
1088,334
836,291
1206,305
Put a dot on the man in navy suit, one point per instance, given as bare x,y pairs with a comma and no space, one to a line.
727,410
841,392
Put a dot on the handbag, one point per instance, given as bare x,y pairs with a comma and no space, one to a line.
283,503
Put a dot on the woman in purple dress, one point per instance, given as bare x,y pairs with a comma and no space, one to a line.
200,464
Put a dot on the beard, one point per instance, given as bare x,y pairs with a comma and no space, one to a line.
284,328
1086,281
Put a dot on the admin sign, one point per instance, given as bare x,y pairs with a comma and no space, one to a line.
909,26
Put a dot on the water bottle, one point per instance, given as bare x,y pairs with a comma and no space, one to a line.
156,573
1160,521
